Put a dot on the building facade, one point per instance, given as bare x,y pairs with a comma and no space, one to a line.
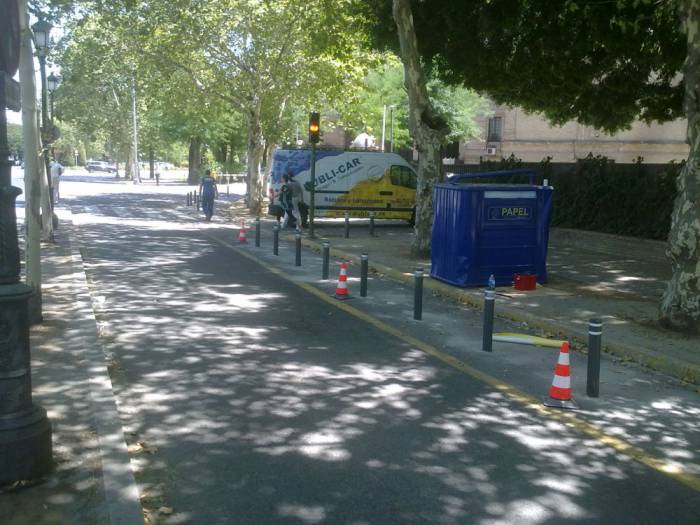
531,138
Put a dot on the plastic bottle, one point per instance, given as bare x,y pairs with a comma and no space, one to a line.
492,282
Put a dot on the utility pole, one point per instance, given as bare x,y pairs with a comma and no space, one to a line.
383,126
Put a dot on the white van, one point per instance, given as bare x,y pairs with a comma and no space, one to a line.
357,182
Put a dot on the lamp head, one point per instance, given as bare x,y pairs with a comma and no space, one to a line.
42,34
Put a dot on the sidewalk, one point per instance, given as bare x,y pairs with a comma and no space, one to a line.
617,279
92,481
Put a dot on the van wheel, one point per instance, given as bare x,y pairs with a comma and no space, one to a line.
412,220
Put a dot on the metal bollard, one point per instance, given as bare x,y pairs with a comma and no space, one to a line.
371,224
347,225
595,334
418,294
276,240
326,260
227,191
297,259
197,202
489,300
364,267
187,199
257,232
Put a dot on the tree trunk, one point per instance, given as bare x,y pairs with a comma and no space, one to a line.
151,163
220,153
195,160
680,306
129,164
427,128
32,183
254,180
269,150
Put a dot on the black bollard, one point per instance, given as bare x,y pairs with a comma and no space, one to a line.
371,224
276,240
418,294
326,260
489,300
257,232
347,225
297,259
187,199
364,267
595,334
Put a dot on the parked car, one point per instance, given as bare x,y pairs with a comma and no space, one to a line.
100,165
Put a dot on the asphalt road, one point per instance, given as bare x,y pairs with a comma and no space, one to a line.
248,400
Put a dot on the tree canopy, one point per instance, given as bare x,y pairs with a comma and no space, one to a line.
603,64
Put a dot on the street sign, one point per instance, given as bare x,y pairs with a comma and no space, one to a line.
11,90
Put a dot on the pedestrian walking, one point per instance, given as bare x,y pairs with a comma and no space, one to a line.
209,191
291,197
56,172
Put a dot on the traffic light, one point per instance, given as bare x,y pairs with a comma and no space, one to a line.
314,128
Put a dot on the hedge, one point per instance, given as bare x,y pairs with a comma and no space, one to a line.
599,195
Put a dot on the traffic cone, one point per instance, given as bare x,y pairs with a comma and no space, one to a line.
560,391
241,234
341,289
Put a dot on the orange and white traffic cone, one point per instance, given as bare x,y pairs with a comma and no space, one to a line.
241,234
560,391
341,289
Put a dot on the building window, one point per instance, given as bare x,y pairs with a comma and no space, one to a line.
495,129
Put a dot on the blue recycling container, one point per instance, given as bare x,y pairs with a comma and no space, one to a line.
485,229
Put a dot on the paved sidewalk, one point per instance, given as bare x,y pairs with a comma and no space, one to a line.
617,279
92,482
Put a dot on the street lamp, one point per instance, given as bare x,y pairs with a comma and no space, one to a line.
52,84
42,34
25,431
42,39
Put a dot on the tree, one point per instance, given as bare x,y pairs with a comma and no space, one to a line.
601,63
259,57
14,140
428,127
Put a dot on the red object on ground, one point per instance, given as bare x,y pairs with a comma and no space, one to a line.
241,233
524,282
561,384
341,290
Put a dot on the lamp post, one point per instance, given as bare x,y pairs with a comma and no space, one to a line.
391,128
25,431
42,37
52,83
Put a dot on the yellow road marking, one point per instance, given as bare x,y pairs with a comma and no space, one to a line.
567,418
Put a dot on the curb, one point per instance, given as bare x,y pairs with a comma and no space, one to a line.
120,489
684,371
